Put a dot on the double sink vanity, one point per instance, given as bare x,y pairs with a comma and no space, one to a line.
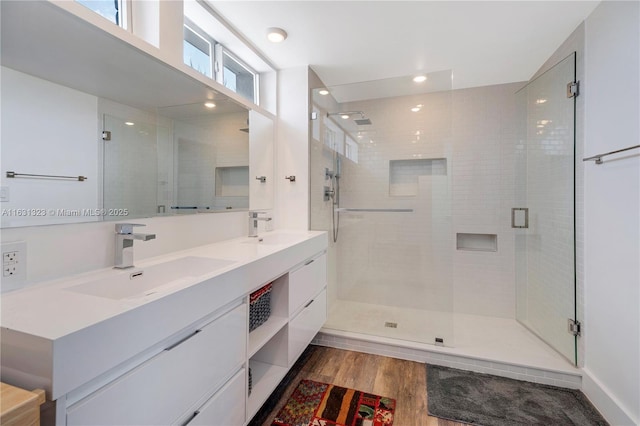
168,341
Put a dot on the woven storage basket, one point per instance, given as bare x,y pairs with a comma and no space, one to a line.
259,306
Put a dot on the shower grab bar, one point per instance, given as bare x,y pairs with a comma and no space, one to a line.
15,175
598,158
342,209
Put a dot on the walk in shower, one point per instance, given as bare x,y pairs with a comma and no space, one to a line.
381,184
423,190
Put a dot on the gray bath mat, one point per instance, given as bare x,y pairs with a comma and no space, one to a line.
483,399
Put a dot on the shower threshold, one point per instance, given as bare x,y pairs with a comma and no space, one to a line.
491,345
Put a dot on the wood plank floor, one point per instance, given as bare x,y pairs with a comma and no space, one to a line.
402,380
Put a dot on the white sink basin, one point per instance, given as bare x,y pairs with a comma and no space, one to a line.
138,282
274,239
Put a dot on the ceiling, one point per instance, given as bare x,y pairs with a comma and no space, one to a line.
479,42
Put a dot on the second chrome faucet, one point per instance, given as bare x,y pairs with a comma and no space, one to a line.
124,244
253,222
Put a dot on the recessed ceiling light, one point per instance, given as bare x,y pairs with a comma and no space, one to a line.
129,123
415,109
541,101
420,78
323,92
276,35
209,104
344,116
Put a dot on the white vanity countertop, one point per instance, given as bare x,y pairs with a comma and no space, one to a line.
50,310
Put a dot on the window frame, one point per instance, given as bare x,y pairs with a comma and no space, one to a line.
220,53
189,25
124,13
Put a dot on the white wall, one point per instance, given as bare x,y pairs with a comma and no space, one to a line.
292,149
612,212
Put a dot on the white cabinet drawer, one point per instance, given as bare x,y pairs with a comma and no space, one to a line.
164,387
306,324
226,407
306,282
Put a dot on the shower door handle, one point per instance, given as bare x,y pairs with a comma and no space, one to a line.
524,218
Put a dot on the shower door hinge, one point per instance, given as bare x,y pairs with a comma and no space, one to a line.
573,89
106,135
575,327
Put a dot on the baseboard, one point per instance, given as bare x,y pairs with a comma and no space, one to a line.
607,404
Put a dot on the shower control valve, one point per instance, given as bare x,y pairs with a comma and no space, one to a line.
328,193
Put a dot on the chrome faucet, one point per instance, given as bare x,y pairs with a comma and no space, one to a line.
124,244
253,222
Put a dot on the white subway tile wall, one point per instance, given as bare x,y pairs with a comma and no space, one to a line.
201,145
452,162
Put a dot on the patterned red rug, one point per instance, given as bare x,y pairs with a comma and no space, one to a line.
321,404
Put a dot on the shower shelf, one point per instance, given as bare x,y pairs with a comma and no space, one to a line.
477,242
405,175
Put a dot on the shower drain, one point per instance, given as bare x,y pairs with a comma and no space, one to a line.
391,324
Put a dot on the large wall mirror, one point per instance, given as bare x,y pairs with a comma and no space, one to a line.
76,157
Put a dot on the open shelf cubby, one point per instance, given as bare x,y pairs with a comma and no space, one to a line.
268,366
278,318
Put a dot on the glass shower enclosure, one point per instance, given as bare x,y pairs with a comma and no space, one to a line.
382,163
381,186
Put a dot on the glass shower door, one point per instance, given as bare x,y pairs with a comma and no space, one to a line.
130,161
544,215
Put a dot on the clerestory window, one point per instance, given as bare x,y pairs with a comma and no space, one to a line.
113,10
198,49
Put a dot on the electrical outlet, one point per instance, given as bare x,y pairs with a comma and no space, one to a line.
9,270
14,265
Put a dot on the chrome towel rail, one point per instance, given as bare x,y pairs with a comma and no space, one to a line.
598,158
15,175
341,209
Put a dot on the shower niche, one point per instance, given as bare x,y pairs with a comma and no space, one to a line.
232,181
404,174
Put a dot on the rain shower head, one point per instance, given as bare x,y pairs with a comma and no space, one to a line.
362,121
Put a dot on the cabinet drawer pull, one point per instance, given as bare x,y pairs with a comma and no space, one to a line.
309,304
190,419
309,262
179,342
